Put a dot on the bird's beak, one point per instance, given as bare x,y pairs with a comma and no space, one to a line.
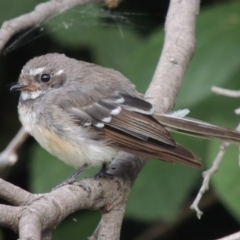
17,87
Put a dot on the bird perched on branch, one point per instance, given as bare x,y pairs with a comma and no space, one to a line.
84,114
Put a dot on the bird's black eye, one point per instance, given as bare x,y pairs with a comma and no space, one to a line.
45,77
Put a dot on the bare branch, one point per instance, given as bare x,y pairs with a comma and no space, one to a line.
223,148
13,194
9,157
108,224
225,92
46,211
207,176
235,236
9,217
237,111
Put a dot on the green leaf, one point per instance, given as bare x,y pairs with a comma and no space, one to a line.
159,191
47,171
217,53
78,226
142,62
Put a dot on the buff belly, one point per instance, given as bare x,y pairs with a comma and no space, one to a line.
75,152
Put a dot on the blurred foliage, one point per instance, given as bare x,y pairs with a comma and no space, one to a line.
11,9
78,226
110,39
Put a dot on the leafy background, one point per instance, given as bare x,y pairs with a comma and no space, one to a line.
129,39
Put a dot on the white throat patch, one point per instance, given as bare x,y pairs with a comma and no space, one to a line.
31,95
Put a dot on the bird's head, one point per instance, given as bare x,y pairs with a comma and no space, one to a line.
42,74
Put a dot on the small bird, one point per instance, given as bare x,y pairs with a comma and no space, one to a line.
85,114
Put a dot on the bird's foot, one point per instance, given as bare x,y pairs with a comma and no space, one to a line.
104,174
72,179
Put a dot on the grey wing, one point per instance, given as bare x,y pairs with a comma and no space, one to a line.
126,120
118,110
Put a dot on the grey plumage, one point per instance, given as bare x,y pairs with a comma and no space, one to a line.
137,104
84,113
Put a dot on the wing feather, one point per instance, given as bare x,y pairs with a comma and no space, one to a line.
153,149
126,120
142,124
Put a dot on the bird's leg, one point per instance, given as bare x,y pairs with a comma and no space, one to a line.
72,179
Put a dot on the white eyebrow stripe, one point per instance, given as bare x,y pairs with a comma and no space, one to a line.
36,71
59,72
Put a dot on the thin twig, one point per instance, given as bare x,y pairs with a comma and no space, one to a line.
226,92
207,176
237,111
9,157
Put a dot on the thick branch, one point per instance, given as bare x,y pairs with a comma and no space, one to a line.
13,194
46,211
9,217
107,229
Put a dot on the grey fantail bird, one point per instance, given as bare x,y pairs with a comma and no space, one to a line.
84,114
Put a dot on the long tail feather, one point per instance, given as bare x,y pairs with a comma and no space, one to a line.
198,128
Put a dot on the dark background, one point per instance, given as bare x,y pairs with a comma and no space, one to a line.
129,39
